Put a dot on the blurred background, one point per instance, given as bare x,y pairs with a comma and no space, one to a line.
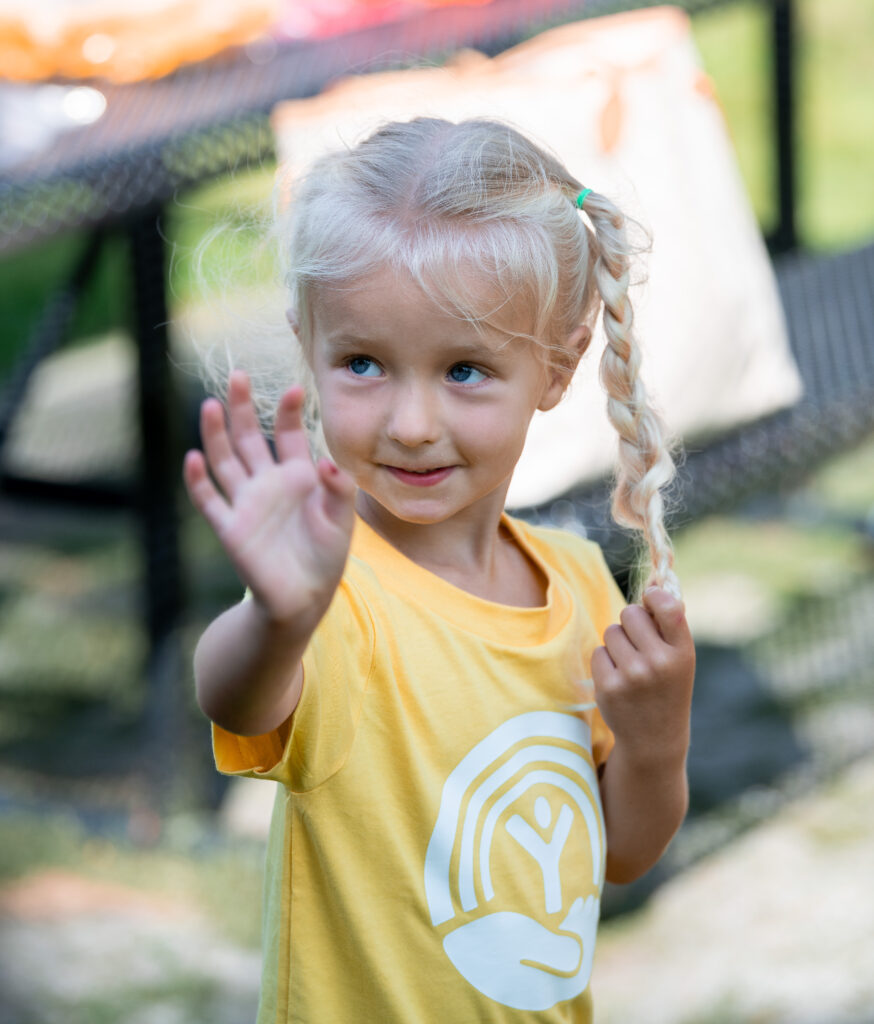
130,873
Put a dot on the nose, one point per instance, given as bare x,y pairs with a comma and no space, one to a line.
414,417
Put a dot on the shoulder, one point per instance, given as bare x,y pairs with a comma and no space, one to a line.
563,550
354,607
579,562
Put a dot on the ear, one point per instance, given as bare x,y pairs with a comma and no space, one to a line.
559,376
291,317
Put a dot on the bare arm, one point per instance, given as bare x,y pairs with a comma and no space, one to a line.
247,669
286,525
643,680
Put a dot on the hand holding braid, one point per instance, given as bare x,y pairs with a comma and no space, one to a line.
645,465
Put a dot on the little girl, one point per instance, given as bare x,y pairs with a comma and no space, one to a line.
461,763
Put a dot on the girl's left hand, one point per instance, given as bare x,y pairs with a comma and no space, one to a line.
643,678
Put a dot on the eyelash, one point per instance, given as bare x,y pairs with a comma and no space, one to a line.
359,359
455,366
467,366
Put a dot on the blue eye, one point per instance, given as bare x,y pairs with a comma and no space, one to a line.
361,366
462,373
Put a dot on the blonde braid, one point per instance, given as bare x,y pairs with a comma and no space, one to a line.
645,465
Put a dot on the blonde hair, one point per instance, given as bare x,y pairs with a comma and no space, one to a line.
439,200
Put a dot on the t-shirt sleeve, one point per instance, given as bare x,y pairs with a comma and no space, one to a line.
608,598
315,741
607,603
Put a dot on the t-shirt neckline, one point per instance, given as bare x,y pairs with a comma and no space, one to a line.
511,624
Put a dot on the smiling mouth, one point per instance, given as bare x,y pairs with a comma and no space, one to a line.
420,477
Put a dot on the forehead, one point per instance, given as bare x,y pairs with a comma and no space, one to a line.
465,301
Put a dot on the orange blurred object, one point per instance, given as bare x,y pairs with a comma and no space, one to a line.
311,19
122,43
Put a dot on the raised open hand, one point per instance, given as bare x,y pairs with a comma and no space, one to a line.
285,522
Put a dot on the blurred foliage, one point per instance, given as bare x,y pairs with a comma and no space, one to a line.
219,236
786,550
846,484
789,560
27,278
835,85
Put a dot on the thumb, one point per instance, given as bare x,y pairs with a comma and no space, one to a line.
669,614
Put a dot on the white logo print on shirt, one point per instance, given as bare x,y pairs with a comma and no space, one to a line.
510,957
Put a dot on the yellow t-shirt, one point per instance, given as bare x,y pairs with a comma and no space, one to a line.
437,848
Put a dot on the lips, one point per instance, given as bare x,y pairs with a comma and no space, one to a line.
423,478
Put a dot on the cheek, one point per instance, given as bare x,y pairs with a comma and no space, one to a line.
499,433
338,429
345,424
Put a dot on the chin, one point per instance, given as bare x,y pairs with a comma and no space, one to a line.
418,517
416,514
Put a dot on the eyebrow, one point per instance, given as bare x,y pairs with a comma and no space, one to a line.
460,350
350,341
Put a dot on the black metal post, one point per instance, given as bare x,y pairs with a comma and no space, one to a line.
158,510
783,28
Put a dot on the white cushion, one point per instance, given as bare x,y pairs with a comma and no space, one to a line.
624,103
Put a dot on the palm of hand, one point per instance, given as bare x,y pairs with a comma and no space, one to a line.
284,522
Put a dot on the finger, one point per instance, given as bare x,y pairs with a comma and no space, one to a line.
248,438
340,491
288,433
621,650
220,455
669,614
603,667
336,480
640,627
203,493
634,665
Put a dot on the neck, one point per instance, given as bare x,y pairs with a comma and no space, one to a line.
465,545
473,552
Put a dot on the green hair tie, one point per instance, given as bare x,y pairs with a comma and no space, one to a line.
581,198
